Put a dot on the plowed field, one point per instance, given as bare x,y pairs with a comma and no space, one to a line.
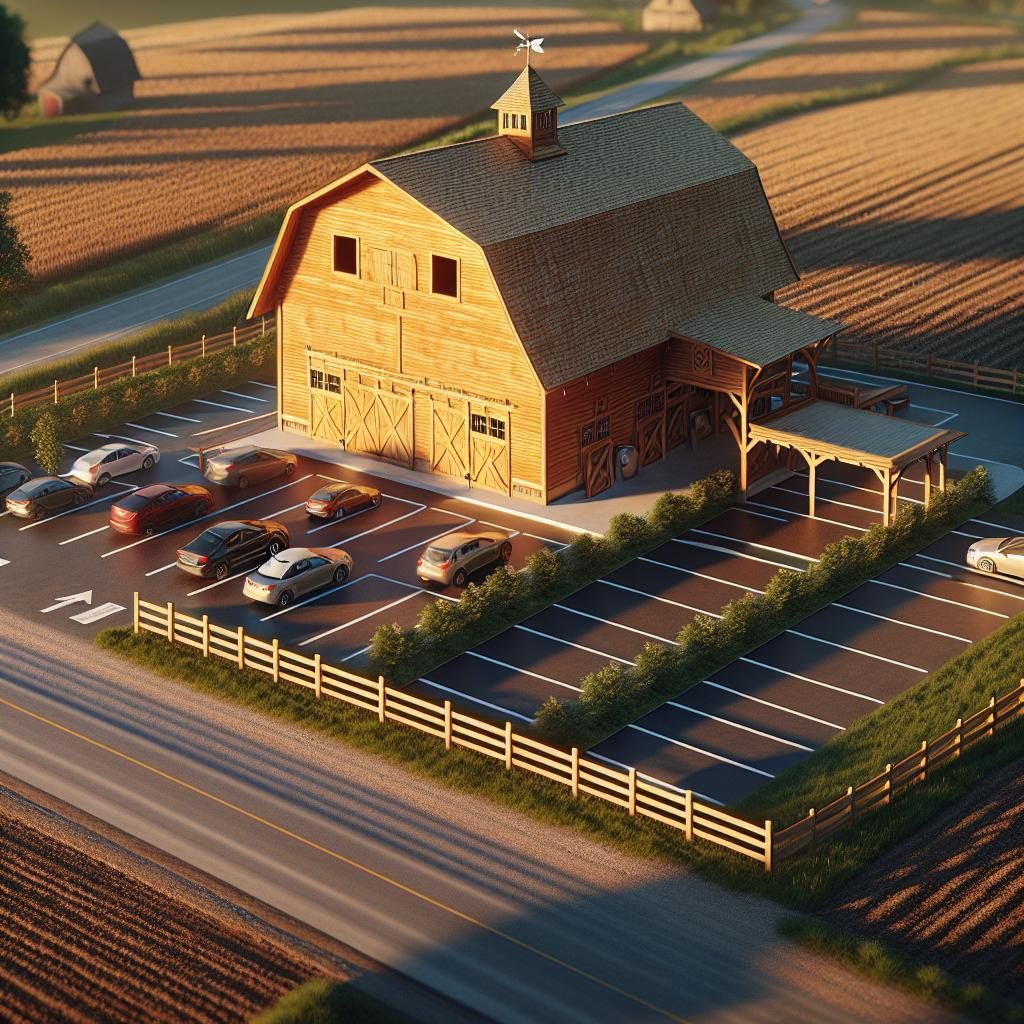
84,942
236,117
953,895
904,214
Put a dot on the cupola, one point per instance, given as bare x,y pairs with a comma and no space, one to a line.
528,115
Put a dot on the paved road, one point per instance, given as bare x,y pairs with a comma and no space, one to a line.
523,922
210,284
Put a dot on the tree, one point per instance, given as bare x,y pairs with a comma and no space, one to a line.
49,447
14,254
14,64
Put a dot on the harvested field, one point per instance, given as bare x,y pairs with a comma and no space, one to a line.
237,117
953,895
879,47
85,942
904,213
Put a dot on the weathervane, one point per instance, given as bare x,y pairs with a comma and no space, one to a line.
528,44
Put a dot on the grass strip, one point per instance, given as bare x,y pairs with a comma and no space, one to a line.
325,1001
879,962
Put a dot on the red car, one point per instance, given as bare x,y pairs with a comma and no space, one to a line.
336,500
159,507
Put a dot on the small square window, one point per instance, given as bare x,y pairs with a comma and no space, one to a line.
346,255
333,383
497,428
504,120
316,379
444,276
478,424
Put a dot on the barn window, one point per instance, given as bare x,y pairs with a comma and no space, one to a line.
316,379
497,428
542,120
333,383
478,423
346,255
522,122
596,431
444,276
504,120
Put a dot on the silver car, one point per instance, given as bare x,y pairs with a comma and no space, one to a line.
453,559
297,571
241,467
998,554
98,467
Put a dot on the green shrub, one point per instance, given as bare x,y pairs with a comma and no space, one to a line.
49,450
671,512
545,569
629,532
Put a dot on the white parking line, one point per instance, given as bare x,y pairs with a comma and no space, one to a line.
227,579
748,543
867,490
187,461
523,671
742,554
693,572
663,600
75,448
964,568
475,700
315,597
77,508
228,426
770,704
163,568
935,597
1008,530
355,654
216,513
827,501
281,512
817,519
737,725
175,416
361,618
898,622
617,625
338,522
374,529
760,515
122,437
854,650
546,540
152,430
261,384
423,543
247,398
807,679
570,643
219,405
82,536
652,779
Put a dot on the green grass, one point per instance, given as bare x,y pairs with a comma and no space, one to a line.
882,964
29,130
324,1001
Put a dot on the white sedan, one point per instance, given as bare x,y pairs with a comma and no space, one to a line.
99,466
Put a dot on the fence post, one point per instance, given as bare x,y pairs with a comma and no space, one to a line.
853,802
12,405
508,744
56,392
924,760
170,355
381,697
206,636
234,337
992,716
95,378
688,811
447,725
888,783
769,845
632,792
203,342
135,613
318,675
275,659
575,771
133,366
170,621
813,815
958,744
241,646
263,323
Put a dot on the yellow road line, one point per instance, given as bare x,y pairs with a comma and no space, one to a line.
394,883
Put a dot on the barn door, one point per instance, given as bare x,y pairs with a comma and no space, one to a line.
327,421
598,467
489,450
378,422
449,445
651,438
361,427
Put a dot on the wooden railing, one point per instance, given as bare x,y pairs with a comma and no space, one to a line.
626,788
821,822
878,357
53,393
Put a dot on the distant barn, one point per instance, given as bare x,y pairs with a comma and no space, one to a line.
96,71
677,15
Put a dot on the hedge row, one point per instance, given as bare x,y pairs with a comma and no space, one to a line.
40,430
617,694
507,596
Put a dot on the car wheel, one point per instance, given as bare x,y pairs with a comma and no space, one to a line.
506,552
339,512
376,502
274,547
341,574
103,480
148,462
38,513
285,598
221,570
243,483
460,577
289,468
986,565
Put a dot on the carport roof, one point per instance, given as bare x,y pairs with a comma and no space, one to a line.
852,435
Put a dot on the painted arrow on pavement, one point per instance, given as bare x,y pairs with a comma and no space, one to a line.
63,602
101,611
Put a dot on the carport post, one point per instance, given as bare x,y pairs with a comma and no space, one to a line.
318,676
170,621
381,699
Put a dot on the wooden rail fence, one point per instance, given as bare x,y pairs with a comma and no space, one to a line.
881,358
626,788
173,355
821,822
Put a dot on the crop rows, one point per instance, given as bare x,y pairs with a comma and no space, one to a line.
903,213
84,942
239,117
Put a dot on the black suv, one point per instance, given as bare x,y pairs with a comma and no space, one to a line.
223,548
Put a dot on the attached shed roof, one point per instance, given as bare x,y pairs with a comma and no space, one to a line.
752,329
852,435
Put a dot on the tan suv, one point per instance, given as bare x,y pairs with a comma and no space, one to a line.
453,559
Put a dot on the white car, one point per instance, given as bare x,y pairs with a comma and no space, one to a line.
115,459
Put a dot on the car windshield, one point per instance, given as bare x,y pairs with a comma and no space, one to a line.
134,502
208,541
34,487
325,493
436,556
275,568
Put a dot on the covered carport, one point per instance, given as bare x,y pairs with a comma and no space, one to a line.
888,446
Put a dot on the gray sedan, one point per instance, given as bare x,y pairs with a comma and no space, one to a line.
297,571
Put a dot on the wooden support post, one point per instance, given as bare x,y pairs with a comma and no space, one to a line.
206,636
924,760
812,479
318,675
769,845
943,456
632,792
381,699
575,771
927,480
688,811
95,378
240,636
170,621
275,659
851,793
508,745
56,392
958,743
992,716
888,783
133,366
135,613
170,355
447,725
202,341
887,496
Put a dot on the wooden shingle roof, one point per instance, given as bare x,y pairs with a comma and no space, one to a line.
528,92
752,329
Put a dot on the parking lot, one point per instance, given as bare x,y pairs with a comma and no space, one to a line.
50,565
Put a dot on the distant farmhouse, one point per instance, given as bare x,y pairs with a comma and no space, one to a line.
677,15
96,71
507,311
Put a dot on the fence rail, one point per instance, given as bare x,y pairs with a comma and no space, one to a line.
881,358
637,794
821,822
173,355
